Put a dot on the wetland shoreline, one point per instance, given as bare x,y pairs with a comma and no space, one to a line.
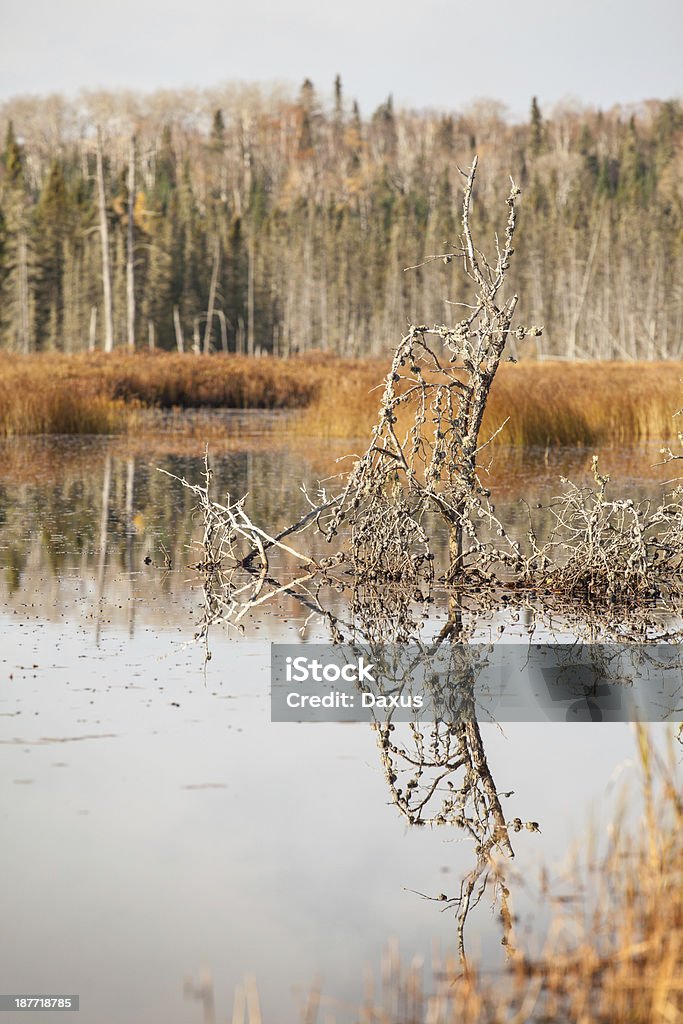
544,403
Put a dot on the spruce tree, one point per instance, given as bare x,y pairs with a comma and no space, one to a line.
536,128
306,143
52,230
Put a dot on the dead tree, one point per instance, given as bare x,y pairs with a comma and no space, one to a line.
441,377
426,456
178,327
212,295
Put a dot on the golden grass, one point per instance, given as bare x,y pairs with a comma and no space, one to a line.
547,403
51,393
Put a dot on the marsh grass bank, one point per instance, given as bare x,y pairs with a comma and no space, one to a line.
50,393
545,403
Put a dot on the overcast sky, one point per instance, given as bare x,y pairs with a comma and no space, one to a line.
427,53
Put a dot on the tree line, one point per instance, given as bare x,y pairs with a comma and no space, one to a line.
254,220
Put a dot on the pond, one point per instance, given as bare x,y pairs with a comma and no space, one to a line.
158,828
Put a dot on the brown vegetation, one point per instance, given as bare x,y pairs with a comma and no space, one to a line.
96,394
41,403
548,404
614,951
618,955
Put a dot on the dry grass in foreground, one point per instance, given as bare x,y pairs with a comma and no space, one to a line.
547,404
617,958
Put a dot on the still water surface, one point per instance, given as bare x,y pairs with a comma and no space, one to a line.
155,823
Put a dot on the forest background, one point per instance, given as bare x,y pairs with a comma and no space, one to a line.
258,220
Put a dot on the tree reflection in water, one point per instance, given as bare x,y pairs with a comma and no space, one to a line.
437,772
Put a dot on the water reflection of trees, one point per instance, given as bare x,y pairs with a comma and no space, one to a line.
82,528
437,771
90,525
51,509
438,775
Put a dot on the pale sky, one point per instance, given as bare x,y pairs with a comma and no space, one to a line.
427,53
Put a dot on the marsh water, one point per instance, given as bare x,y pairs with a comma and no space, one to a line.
157,827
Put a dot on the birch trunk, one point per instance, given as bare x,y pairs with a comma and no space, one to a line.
180,341
93,329
212,296
250,296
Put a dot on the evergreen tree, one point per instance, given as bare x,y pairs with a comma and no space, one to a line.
161,292
13,160
632,184
306,142
536,128
338,101
52,230
218,131
165,170
384,123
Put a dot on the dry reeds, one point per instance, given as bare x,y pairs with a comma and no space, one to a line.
620,957
547,403
51,393
617,957
48,407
